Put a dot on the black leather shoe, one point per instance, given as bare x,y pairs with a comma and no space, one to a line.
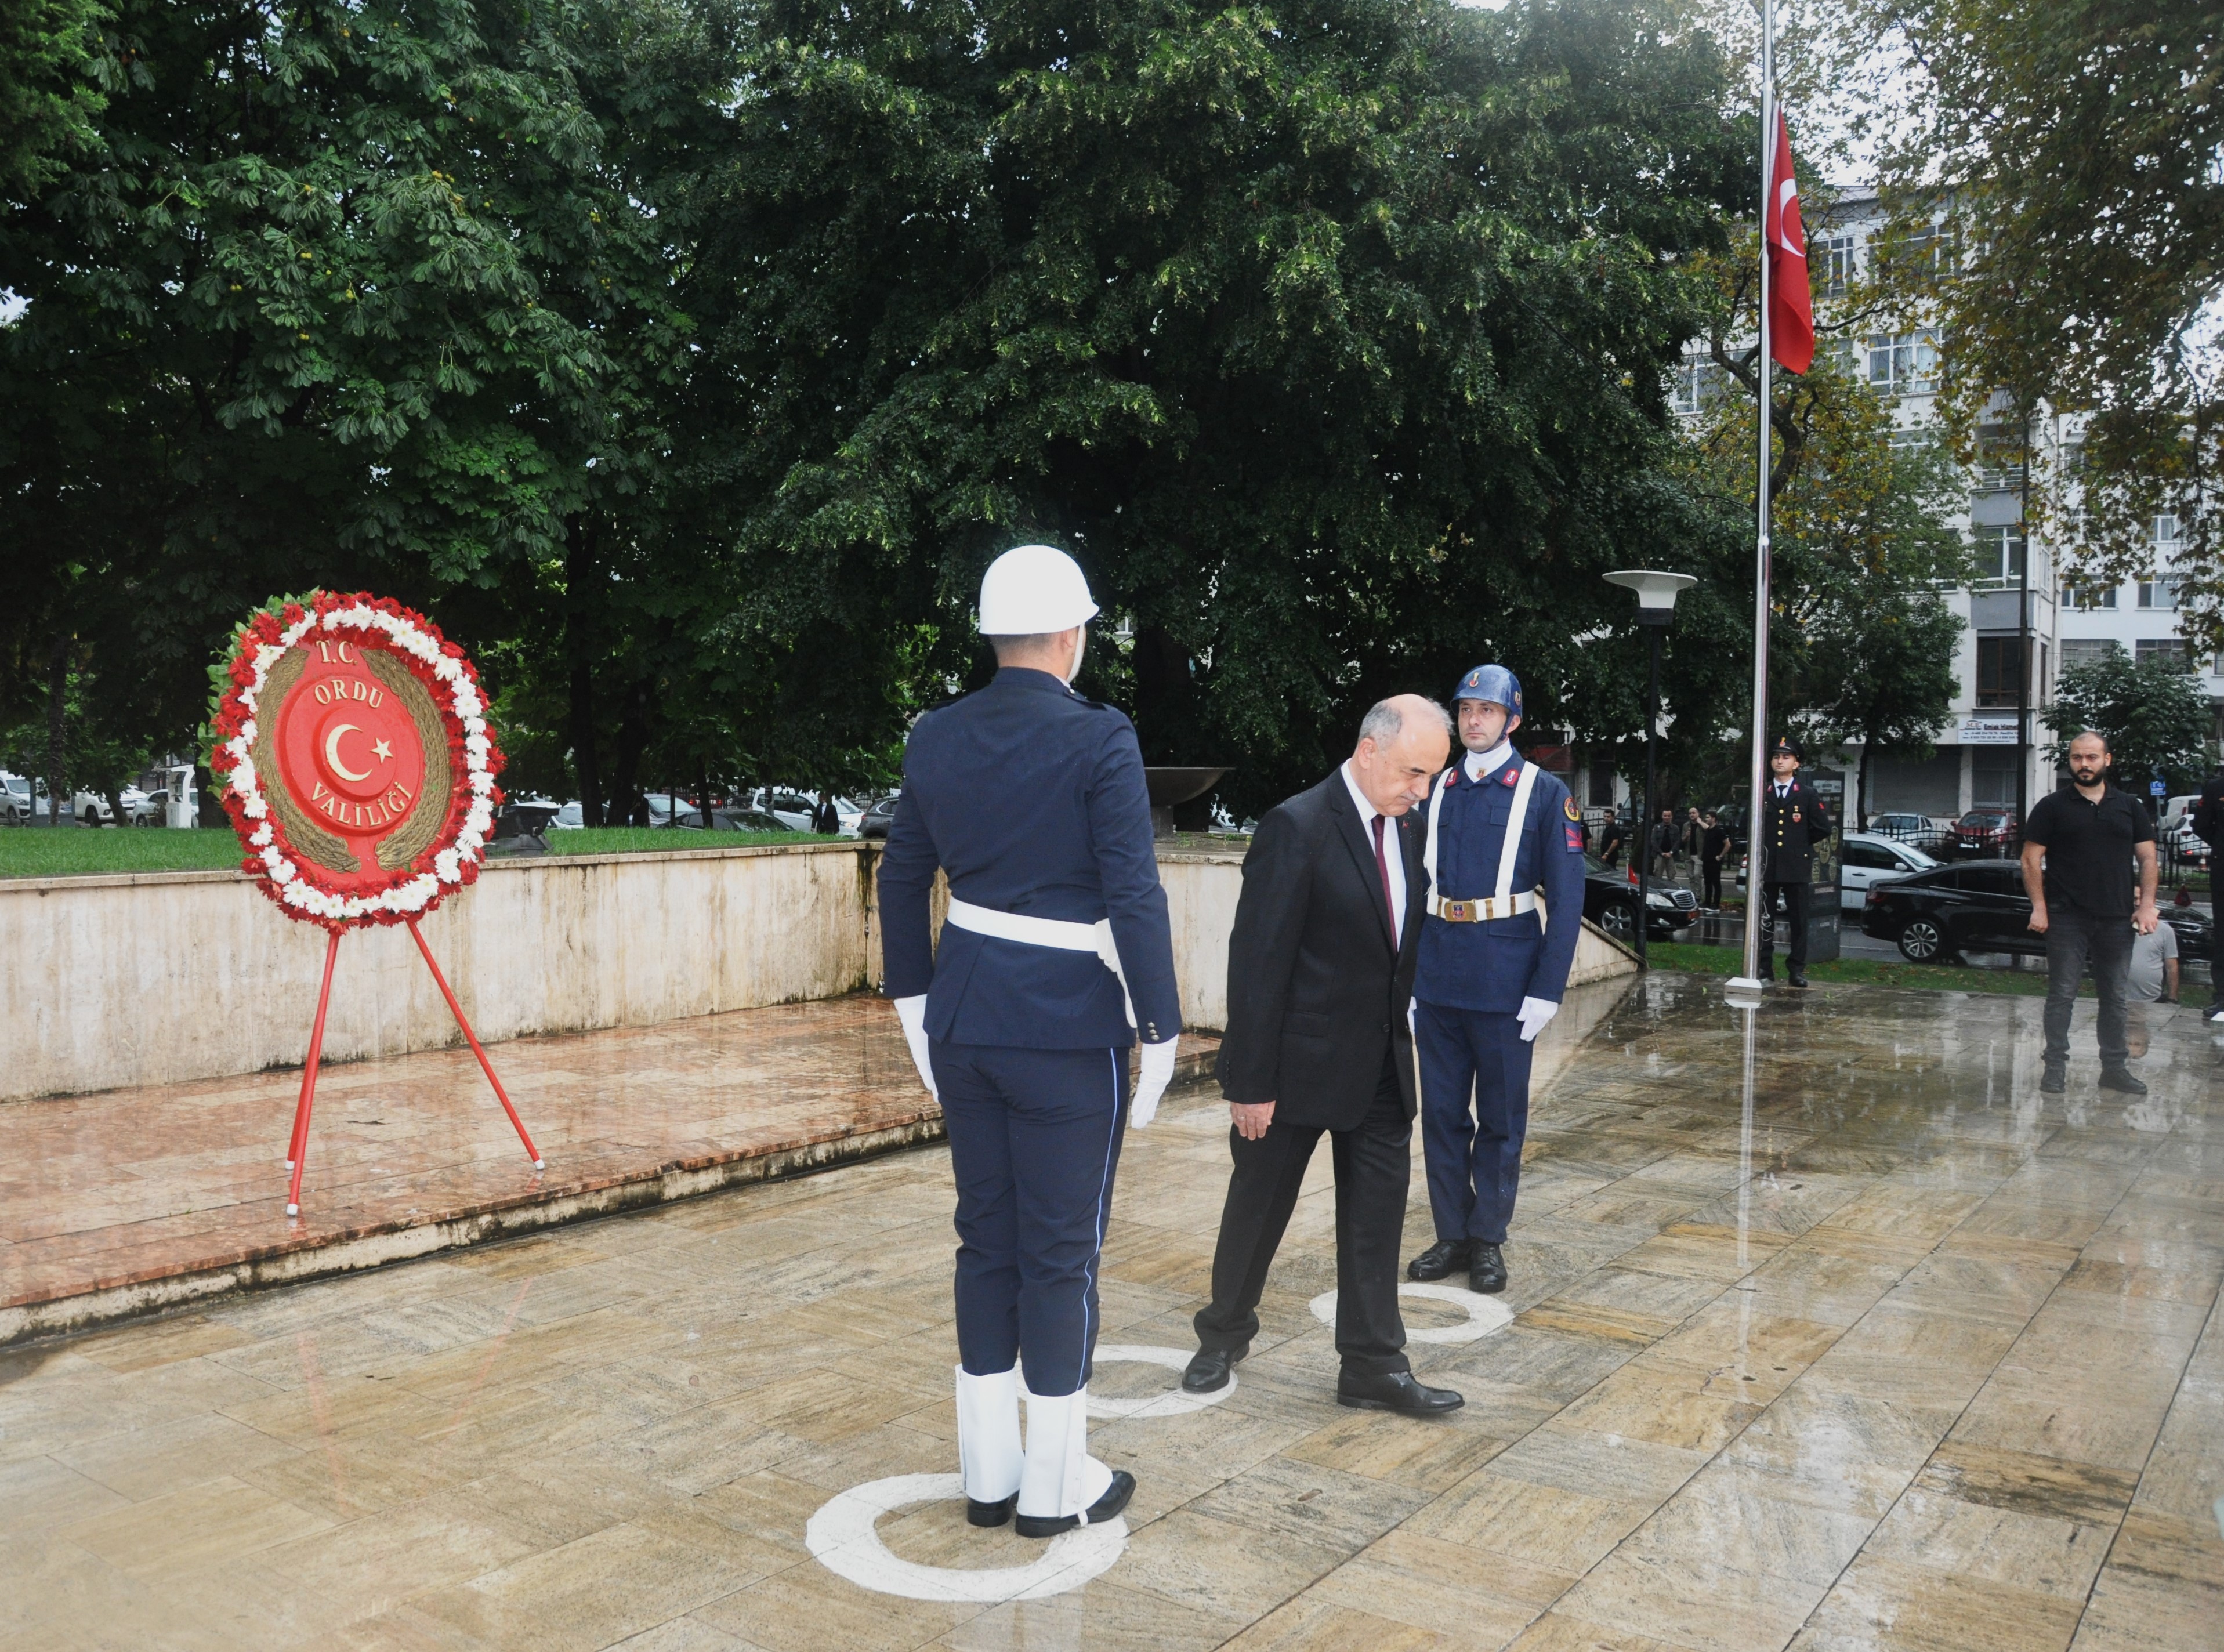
1209,1368
2120,1080
1114,1499
1797,978
978,1513
1394,1391
1486,1272
1445,1257
2054,1080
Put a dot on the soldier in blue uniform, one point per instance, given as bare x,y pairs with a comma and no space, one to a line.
1055,956
1492,971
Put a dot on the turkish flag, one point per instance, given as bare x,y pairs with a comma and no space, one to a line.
1791,303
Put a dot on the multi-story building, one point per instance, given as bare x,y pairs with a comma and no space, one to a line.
2016,613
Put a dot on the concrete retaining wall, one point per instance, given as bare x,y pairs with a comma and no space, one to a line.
169,976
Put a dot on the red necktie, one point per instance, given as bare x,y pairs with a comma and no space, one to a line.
1382,866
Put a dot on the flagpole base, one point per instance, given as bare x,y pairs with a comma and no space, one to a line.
1744,991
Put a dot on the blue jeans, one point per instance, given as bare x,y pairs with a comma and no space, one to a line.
2074,938
1034,1141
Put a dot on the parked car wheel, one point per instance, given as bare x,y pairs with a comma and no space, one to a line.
1923,942
1618,919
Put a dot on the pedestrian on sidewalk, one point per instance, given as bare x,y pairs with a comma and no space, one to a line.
2078,850
1691,837
2208,827
1610,840
2153,976
1714,845
1664,837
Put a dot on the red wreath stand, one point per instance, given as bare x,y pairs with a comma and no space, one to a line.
357,767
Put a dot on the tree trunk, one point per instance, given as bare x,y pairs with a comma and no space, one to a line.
704,771
58,796
1861,783
579,647
626,802
1165,696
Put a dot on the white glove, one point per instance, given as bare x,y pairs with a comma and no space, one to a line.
1158,1072
1535,1012
911,1012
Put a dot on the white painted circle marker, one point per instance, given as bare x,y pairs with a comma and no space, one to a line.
841,1536
1484,1314
1172,1404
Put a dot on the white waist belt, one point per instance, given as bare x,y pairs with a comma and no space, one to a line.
1056,932
1482,912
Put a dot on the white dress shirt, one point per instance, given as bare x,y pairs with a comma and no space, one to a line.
1393,856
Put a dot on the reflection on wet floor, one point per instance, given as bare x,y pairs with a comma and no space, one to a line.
1875,1348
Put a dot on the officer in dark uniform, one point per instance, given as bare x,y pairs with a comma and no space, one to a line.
1792,821
1492,971
1055,956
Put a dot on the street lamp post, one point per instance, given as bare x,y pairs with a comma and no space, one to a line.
1656,605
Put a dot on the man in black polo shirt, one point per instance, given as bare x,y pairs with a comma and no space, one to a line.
2087,834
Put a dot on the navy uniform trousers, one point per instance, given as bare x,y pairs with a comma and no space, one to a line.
1473,1162
1034,1141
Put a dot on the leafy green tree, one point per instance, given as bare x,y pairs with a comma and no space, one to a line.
2153,712
48,100
2061,217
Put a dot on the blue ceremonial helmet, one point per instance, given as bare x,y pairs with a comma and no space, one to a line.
1493,683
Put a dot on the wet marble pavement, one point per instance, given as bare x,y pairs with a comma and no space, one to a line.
1881,1350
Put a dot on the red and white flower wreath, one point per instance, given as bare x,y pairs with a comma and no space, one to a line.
453,860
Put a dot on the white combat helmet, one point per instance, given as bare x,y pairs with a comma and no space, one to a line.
1034,589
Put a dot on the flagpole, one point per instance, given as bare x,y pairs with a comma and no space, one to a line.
1754,895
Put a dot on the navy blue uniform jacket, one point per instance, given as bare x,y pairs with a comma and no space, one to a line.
1032,800
1493,966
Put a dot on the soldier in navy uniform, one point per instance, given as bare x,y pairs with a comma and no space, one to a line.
1492,971
1056,955
1792,821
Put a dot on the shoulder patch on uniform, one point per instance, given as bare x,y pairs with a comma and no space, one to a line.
1568,805
1574,839
1509,778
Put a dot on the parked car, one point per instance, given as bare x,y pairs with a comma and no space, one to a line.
569,818
14,799
1865,859
1610,902
2175,830
1971,906
523,816
1921,831
875,821
26,803
1986,834
735,819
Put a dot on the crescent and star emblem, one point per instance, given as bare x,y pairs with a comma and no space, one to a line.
380,750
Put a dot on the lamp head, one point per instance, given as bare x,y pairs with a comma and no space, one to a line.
1656,591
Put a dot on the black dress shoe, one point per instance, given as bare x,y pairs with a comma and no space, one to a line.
1487,1271
1209,1368
1394,1391
978,1513
1114,1499
1445,1257
2055,1079
1799,979
2120,1080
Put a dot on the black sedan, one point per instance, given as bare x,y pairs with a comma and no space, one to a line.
1979,906
1610,902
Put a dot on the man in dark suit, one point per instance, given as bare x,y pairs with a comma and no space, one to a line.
1320,971
2208,827
1792,821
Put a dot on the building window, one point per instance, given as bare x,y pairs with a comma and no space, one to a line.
2170,650
1999,661
1999,552
1839,267
2087,650
2159,593
1692,382
1904,362
2085,599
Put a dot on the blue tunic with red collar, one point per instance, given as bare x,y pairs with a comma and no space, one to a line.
1492,965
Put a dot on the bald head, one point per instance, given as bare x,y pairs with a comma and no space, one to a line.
1403,743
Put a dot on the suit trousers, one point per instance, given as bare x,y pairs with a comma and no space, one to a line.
2074,938
1473,1156
1373,1163
1034,1144
1712,871
1797,898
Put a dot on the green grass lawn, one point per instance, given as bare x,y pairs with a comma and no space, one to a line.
1726,961
76,852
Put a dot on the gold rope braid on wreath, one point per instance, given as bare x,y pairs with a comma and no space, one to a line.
423,823
303,836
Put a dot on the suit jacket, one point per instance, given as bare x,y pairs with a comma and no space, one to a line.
1316,993
1789,830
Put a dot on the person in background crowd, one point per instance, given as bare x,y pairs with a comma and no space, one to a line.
825,818
1691,839
2078,847
1714,845
2154,969
1611,838
1665,839
2208,827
